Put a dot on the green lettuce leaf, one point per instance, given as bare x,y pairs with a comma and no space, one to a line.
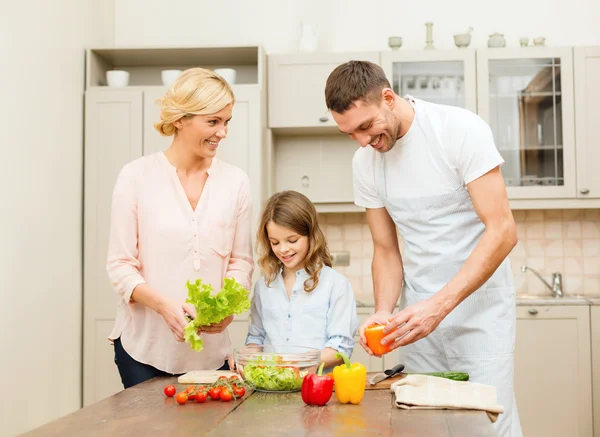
232,299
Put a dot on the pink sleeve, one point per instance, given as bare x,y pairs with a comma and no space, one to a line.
122,262
241,262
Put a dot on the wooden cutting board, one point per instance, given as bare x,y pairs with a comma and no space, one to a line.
203,376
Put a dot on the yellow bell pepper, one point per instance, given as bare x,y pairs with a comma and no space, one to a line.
350,381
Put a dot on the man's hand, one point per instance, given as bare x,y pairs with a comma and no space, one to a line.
379,318
415,322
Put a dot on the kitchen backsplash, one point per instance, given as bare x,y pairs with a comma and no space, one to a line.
565,241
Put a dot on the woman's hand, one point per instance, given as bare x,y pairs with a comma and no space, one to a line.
173,314
216,328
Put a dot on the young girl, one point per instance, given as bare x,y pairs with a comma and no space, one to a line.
300,300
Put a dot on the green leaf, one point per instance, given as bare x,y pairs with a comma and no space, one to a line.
232,299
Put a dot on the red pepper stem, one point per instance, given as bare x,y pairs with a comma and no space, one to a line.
345,358
320,371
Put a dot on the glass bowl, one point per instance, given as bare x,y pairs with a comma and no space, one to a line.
276,368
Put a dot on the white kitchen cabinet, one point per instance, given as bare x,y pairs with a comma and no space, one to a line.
444,77
526,95
153,141
319,167
552,371
587,128
118,129
297,87
113,137
595,352
238,330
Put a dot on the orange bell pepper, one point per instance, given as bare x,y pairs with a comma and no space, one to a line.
374,335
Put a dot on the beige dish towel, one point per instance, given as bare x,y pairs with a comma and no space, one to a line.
432,392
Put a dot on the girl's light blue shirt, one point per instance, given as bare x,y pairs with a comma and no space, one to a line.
325,317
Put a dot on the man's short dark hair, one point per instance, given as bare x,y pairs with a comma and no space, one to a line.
352,81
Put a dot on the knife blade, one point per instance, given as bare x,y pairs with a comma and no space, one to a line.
386,374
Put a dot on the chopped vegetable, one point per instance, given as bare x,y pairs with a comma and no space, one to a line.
232,299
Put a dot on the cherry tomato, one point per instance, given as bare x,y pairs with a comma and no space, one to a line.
170,391
214,393
239,392
233,378
225,395
222,377
190,389
201,396
181,398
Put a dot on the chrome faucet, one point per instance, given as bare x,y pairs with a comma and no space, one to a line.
556,286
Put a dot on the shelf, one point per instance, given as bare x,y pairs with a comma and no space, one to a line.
145,64
528,94
527,148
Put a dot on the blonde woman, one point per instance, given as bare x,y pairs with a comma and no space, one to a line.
300,300
178,215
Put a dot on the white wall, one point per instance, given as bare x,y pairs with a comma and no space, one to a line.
348,25
41,158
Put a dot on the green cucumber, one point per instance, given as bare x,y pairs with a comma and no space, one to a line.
455,376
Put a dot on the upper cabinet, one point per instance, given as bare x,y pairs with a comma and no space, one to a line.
587,98
526,96
297,88
444,77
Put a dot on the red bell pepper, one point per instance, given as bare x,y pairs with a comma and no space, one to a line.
317,389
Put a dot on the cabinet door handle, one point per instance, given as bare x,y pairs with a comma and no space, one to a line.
323,119
533,311
584,191
305,181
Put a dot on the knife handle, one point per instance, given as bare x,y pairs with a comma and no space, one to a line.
394,370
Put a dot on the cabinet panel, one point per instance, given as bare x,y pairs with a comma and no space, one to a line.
320,167
113,137
527,98
446,77
153,140
552,371
297,87
595,339
587,128
238,330
107,380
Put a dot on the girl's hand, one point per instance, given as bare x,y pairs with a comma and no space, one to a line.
173,314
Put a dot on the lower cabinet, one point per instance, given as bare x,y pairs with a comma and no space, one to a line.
553,379
595,330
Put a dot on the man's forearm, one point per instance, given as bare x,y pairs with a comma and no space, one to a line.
493,247
387,279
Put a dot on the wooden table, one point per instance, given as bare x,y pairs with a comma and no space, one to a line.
145,411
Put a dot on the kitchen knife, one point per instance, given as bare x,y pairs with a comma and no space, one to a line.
386,374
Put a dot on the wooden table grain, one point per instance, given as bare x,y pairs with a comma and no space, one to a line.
144,410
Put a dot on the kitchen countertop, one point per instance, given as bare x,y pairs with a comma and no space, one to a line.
144,410
527,300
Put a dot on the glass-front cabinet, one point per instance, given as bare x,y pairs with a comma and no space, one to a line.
445,77
526,96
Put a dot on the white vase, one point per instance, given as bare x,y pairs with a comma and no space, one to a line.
308,39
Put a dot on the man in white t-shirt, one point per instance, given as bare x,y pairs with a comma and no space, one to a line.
432,173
